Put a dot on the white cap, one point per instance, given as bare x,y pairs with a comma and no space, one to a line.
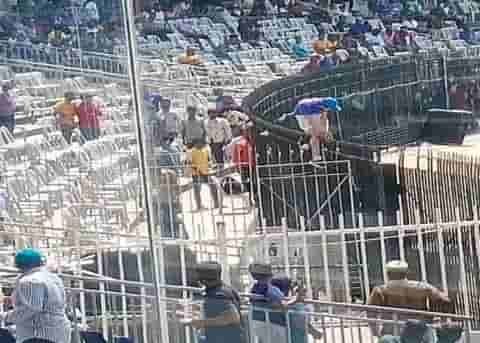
396,266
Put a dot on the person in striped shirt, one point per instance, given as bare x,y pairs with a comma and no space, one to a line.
39,302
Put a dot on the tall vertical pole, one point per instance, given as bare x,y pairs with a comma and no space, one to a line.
137,103
445,81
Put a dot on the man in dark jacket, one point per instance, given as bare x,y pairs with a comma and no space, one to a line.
221,320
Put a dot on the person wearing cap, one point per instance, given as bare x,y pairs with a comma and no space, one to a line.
8,106
269,306
400,292
221,307
193,128
88,117
39,302
67,116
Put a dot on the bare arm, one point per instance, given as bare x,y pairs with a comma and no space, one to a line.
228,317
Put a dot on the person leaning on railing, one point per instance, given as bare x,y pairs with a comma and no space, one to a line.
400,292
221,306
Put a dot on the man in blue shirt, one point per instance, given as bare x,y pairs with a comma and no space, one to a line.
269,306
221,307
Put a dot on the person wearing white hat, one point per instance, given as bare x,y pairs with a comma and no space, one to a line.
400,292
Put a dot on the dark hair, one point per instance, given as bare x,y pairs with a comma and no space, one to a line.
209,271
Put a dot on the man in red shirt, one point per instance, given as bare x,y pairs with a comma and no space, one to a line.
89,113
243,156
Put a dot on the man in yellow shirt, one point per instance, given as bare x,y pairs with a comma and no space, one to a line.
67,116
200,160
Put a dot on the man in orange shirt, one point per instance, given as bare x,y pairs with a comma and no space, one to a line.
190,58
67,116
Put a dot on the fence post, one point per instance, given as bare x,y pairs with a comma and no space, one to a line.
421,251
461,256
222,241
445,81
306,258
363,250
326,272
345,264
383,249
286,258
441,250
401,234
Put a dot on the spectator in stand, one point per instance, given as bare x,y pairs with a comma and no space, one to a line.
323,44
91,15
190,58
169,119
403,293
359,27
327,61
299,49
220,134
89,117
389,37
66,114
8,107
236,119
243,157
403,39
224,103
193,128
348,42
313,65
458,97
200,163
56,37
39,312
375,38
222,316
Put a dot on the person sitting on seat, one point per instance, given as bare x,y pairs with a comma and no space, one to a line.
190,58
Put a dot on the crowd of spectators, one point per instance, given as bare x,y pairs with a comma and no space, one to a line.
344,33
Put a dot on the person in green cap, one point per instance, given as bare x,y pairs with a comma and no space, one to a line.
39,302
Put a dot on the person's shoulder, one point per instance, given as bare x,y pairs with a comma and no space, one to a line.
34,278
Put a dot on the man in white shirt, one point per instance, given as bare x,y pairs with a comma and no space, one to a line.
219,134
169,119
